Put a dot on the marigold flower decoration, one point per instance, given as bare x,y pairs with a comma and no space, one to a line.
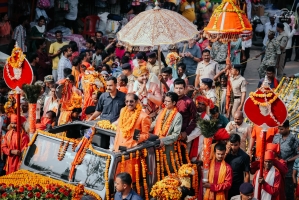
172,58
168,188
163,130
128,119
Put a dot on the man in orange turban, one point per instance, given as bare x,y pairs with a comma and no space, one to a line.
270,181
10,145
280,164
148,92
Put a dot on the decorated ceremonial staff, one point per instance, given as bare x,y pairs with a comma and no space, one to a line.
264,108
226,24
16,73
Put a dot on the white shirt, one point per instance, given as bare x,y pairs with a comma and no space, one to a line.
211,95
73,7
268,27
289,33
207,70
246,44
62,64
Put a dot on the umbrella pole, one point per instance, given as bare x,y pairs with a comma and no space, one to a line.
262,161
159,60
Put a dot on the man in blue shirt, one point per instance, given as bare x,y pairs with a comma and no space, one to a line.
123,182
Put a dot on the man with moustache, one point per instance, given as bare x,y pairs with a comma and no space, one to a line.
148,92
109,105
132,112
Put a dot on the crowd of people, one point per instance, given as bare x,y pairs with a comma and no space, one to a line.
129,88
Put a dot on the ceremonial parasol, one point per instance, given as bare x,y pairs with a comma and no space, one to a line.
155,27
226,24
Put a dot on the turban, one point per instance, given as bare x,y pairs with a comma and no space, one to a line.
14,117
221,134
273,147
269,155
138,71
205,100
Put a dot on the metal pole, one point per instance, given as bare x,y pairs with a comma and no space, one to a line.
262,162
159,60
18,120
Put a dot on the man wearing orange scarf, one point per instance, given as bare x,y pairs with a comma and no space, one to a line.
10,145
270,181
131,119
220,176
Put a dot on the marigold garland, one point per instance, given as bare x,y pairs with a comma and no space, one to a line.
131,163
137,178
158,164
166,164
144,169
16,63
128,119
166,123
195,180
122,167
251,95
62,150
107,178
24,177
173,162
177,160
180,153
161,164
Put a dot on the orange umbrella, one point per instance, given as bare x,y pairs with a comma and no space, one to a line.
228,22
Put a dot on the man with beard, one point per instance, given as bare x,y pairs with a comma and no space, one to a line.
270,180
153,64
55,51
109,105
147,92
64,62
195,139
131,118
9,145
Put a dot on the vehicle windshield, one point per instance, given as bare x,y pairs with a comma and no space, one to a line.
43,156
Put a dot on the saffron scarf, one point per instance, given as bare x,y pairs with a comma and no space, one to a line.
209,195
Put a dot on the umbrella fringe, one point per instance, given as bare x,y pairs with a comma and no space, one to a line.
225,37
